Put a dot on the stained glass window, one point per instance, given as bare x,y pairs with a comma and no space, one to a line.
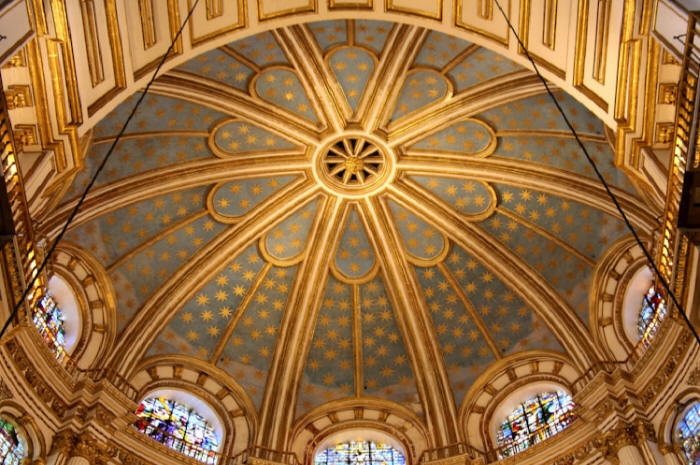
533,421
11,452
688,434
178,427
49,319
651,316
360,453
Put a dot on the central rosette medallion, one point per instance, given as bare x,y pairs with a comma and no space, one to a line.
354,165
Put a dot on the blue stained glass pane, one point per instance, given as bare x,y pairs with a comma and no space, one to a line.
533,421
178,427
360,453
688,434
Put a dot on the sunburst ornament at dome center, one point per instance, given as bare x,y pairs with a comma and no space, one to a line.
353,165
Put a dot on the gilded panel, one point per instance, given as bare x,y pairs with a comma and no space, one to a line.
596,64
347,4
214,18
268,9
97,51
149,39
545,32
483,17
432,10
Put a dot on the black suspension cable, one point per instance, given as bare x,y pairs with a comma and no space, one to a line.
610,193
100,167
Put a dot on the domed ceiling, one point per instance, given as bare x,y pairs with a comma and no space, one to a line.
359,208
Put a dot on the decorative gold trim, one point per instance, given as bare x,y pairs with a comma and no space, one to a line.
25,134
241,24
174,24
221,153
148,27
117,59
460,24
580,43
91,41
600,50
549,24
337,5
484,9
668,93
18,96
215,9
392,7
18,60
664,133
310,7
525,20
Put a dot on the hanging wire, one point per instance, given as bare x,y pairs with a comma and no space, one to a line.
93,179
610,193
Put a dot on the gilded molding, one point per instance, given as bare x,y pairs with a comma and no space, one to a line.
18,96
311,6
91,40
25,134
349,4
668,93
392,6
18,60
664,133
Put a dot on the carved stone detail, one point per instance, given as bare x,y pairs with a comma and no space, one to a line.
655,387
4,391
694,377
63,442
628,434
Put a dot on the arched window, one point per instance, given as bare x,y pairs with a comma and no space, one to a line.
651,316
533,421
688,433
360,453
11,452
179,427
49,320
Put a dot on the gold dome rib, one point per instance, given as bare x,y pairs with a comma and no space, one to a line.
299,320
413,319
138,336
553,181
509,267
115,195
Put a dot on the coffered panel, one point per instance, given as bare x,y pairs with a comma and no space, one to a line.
218,17
149,37
483,17
598,33
99,65
268,9
546,25
431,9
